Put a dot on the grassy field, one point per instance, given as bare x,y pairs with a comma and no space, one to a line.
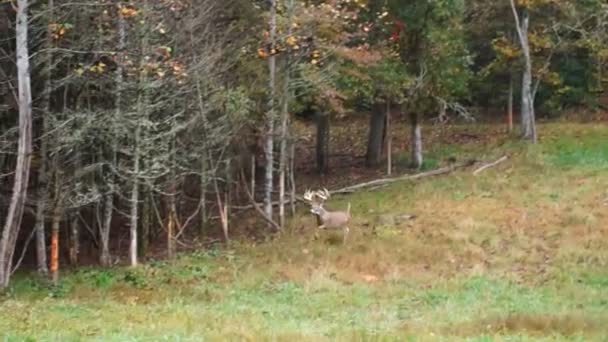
517,253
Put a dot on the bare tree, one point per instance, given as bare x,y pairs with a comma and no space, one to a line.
43,187
271,112
22,169
285,121
528,121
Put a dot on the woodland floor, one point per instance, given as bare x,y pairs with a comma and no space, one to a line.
516,253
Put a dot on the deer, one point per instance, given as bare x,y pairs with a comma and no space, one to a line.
328,219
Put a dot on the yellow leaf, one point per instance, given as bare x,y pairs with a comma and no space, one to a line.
262,53
291,40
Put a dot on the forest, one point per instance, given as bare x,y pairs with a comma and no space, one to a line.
164,168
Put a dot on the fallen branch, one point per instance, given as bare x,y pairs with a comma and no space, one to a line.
274,204
384,181
373,185
27,243
487,166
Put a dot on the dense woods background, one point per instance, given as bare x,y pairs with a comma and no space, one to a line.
127,125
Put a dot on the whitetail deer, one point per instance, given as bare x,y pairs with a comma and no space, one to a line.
329,219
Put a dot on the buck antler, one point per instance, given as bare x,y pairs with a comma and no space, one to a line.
316,197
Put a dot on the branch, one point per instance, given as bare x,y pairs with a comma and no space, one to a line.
5,76
546,66
27,243
257,205
517,23
487,166
182,227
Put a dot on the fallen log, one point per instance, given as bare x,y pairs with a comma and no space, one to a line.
375,184
489,165
384,181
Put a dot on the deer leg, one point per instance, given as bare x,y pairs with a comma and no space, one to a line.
346,231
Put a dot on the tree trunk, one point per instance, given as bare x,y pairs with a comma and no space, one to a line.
376,135
222,209
389,141
55,223
322,143
228,193
203,190
171,230
271,113
292,177
22,168
283,157
416,141
74,239
43,190
74,236
104,232
134,201
146,221
510,105
253,174
172,203
42,267
109,197
528,121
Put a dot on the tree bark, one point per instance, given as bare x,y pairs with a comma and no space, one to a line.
271,113
24,151
416,141
376,135
322,143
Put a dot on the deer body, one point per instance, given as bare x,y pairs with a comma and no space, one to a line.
329,219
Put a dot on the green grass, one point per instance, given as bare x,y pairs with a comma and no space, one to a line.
589,150
518,253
